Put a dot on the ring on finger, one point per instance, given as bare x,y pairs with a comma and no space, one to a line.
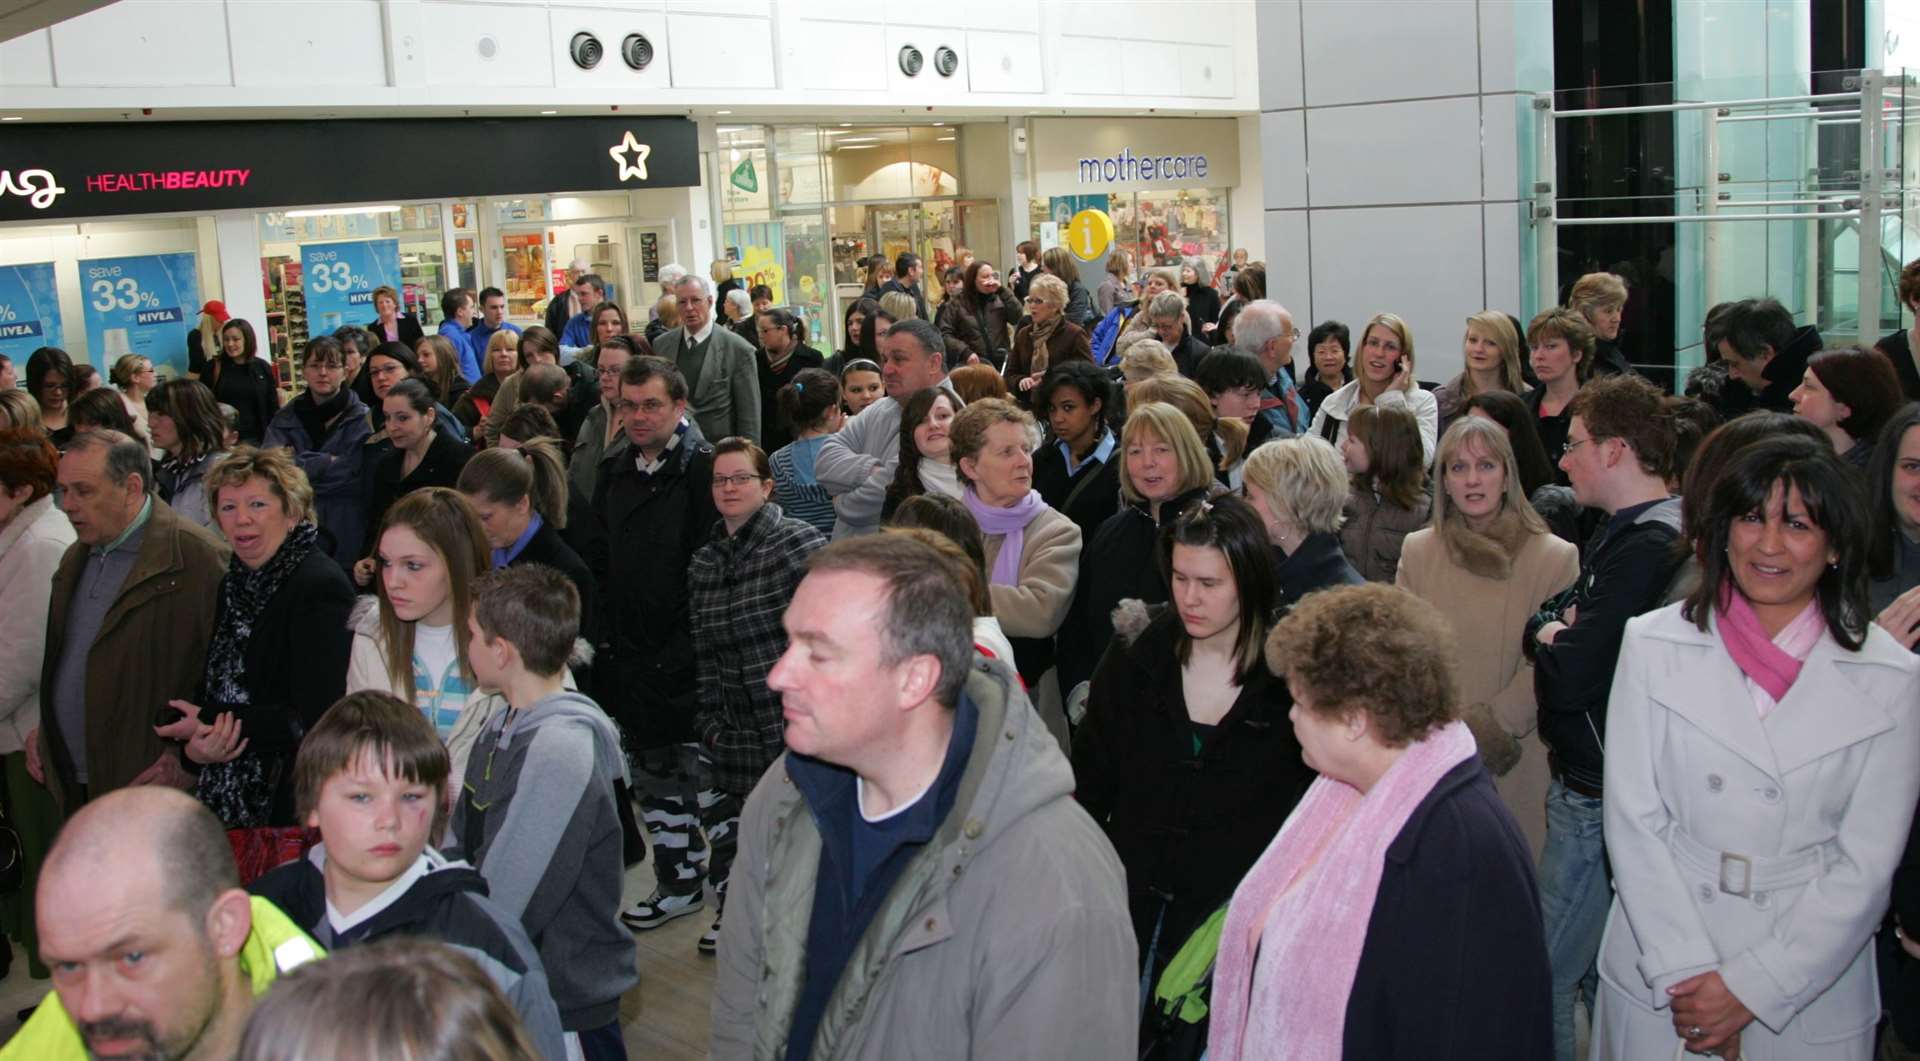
1694,1031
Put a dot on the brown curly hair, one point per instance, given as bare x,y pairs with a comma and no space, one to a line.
1373,648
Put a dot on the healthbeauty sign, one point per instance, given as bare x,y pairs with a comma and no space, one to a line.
144,305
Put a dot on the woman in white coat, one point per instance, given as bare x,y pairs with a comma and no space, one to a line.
1762,768
1384,376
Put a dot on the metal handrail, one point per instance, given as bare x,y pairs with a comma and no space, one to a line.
1787,117
1672,219
1729,104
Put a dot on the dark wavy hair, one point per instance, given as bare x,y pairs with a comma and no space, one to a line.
1834,502
1881,553
906,475
866,349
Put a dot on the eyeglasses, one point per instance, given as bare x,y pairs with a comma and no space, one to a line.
1573,444
743,479
1036,300
609,372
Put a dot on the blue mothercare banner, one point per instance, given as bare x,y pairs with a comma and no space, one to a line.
339,279
29,311
143,305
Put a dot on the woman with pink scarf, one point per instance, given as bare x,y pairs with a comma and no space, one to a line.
1033,552
1761,775
1395,916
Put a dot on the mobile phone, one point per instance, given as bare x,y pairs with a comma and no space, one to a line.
167,716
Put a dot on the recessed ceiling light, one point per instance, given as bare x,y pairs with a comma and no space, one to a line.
937,125
13,118
944,139
846,125
549,112
723,112
392,208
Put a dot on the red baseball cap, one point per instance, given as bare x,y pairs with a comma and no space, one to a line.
215,309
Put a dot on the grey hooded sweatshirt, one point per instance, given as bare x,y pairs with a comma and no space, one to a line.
537,818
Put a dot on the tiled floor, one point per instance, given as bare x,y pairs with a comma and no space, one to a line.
665,1017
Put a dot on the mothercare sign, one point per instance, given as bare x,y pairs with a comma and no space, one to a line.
1081,156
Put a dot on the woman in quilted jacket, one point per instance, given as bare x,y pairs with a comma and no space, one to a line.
738,586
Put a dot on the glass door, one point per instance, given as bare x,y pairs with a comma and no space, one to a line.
525,255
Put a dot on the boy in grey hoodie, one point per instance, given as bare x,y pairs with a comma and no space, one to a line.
549,847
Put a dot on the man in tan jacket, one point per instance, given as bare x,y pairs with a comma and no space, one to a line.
127,630
914,876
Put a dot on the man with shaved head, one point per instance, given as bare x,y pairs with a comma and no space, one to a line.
156,951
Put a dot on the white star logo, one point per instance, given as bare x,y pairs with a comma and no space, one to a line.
618,152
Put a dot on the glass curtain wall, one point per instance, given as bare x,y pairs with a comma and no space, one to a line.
802,204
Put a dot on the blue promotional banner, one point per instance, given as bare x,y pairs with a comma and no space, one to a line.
339,279
144,305
29,311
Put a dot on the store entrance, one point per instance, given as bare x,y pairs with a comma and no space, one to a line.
933,229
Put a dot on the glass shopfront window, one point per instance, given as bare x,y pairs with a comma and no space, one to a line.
1154,228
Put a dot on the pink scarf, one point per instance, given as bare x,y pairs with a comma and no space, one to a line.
1298,921
1011,522
1771,664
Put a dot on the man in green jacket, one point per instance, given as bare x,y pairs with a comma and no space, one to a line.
156,951
914,877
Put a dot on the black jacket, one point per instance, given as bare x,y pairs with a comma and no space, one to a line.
648,528
1899,350
449,905
961,331
1203,305
1454,967
549,548
919,300
1188,813
1121,561
1089,496
987,327
1626,571
250,389
408,327
1188,352
775,432
1079,304
440,467
1319,563
1609,359
1786,368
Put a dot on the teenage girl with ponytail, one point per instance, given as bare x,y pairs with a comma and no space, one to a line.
811,403
520,495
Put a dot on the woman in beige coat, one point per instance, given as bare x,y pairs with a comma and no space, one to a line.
1486,563
1033,552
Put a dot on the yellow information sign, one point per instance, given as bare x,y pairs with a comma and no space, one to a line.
1089,234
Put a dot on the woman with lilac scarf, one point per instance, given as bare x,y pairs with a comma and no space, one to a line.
1033,552
1762,767
1395,915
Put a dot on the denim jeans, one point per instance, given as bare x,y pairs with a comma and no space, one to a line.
1574,898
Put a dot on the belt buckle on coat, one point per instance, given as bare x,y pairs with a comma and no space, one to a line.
1736,875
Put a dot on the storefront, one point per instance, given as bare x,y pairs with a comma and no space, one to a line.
111,237
1167,184
803,204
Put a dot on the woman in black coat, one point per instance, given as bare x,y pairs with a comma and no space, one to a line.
1203,302
280,644
244,380
522,498
1073,400
421,456
1186,757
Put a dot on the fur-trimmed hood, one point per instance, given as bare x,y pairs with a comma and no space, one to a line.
1132,616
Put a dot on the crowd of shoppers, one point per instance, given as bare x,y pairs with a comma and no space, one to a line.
1044,672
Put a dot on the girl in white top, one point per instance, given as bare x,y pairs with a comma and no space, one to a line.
1384,376
925,467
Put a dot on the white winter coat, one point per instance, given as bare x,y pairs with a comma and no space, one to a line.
1693,773
1330,422
31,547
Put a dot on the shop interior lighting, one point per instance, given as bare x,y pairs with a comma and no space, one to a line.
14,118
549,112
390,209
723,112
860,147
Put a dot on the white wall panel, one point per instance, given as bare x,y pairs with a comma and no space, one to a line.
1283,160
1499,146
27,60
842,56
1206,71
714,51
611,25
1421,262
1422,151
145,42
1277,54
520,36
1388,49
318,44
1086,66
1015,16
1001,62
1502,235
1289,273
754,8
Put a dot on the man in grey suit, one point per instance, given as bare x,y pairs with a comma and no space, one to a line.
723,382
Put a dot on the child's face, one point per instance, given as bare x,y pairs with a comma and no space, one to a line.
375,825
480,655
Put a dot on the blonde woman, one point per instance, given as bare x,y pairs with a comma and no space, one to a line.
1601,298
134,377
1299,487
1142,357
1047,339
1225,438
1491,353
1485,563
1385,376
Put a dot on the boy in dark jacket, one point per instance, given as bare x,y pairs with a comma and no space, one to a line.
371,776
538,815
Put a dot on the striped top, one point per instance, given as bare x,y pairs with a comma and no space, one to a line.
799,495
